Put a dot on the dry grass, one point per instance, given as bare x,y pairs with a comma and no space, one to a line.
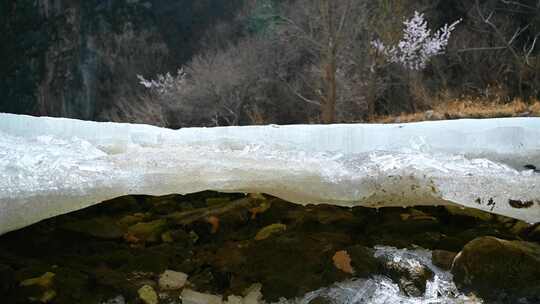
469,108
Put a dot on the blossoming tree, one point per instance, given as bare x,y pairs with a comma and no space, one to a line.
418,44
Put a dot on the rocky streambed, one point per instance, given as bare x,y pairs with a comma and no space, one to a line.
235,248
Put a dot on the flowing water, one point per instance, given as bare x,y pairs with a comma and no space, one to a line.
382,290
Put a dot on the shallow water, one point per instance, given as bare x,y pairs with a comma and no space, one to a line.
382,290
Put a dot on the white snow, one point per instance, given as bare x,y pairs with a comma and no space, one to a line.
50,166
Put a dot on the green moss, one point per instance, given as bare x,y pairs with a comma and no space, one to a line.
148,231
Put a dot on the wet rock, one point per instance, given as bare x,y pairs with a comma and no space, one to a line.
101,227
520,228
408,273
45,281
417,215
321,300
148,231
131,203
443,259
234,300
228,258
342,261
469,212
115,300
106,278
206,280
213,201
325,215
396,228
39,289
271,211
166,237
363,261
467,235
253,294
292,264
267,231
148,295
178,236
172,280
189,296
7,279
73,286
534,235
131,219
499,269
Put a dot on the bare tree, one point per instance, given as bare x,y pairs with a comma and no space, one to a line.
327,29
518,37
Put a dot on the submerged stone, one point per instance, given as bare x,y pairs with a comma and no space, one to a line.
410,274
45,281
363,261
40,289
148,295
443,259
172,280
499,269
189,296
148,231
267,231
534,235
7,279
101,227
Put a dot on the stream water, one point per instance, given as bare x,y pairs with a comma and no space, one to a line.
382,290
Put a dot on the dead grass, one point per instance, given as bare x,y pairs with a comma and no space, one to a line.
468,108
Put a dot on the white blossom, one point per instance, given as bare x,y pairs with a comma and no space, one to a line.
165,83
418,44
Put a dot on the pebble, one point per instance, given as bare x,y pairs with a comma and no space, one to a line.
172,280
148,295
189,296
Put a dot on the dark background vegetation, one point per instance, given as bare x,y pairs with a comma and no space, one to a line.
248,62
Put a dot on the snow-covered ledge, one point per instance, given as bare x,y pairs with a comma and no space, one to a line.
50,166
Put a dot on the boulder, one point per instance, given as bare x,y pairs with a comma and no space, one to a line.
443,259
410,274
498,269
363,261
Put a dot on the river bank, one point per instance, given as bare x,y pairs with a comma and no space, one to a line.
231,244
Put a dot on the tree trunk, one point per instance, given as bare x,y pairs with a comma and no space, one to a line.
328,106
329,67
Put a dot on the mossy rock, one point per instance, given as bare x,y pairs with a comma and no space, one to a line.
148,231
499,269
101,227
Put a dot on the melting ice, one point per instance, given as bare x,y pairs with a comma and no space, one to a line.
51,166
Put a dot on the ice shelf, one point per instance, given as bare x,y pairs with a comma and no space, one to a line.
51,166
